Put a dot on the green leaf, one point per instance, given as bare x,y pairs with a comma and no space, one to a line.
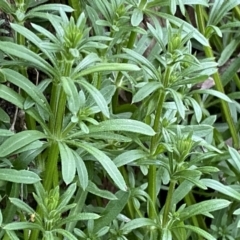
197,109
228,51
235,161
11,96
137,17
107,164
127,125
65,233
73,99
203,208
199,231
214,93
3,116
12,235
21,176
97,96
231,70
25,84
19,140
129,156
103,67
92,188
68,163
111,211
178,101
146,91
137,223
22,225
68,194
1,218
81,170
26,54
188,28
22,205
6,133
217,186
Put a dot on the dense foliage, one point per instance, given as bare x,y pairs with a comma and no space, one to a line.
119,119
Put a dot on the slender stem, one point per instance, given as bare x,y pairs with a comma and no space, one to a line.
130,45
30,122
154,142
168,203
218,83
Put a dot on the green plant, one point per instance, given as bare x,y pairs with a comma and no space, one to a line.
119,127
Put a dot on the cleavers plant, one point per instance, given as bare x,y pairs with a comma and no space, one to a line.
121,135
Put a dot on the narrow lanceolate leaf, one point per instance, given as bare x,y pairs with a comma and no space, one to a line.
199,231
112,210
214,93
22,225
217,186
81,170
137,223
68,163
146,90
97,96
186,26
126,125
26,54
102,67
203,208
19,141
21,176
107,164
25,84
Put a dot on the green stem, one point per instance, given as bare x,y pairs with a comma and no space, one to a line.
168,203
154,142
30,122
218,83
130,45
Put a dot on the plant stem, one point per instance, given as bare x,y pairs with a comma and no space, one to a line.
130,45
168,203
218,83
154,142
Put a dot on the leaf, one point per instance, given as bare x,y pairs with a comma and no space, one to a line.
228,51
107,164
137,17
25,84
178,101
188,28
73,99
146,91
6,133
67,195
111,211
97,96
235,161
21,176
217,186
26,54
214,93
65,233
3,116
229,73
19,140
81,170
127,125
203,208
138,223
68,163
197,109
11,96
199,231
21,205
102,67
129,156
22,225
92,188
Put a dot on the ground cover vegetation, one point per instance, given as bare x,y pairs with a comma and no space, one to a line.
119,119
